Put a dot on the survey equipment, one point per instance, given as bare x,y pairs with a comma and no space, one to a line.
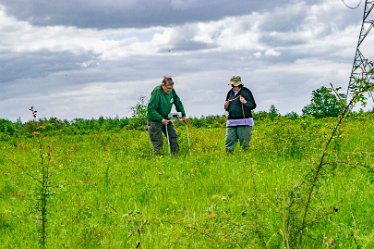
177,115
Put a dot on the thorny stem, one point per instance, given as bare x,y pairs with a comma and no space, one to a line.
257,225
43,196
316,175
352,165
44,192
44,183
287,226
319,167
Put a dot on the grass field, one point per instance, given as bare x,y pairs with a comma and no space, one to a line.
106,190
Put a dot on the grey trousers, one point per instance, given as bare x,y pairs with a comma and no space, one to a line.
155,130
238,133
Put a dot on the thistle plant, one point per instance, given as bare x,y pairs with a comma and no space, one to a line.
44,184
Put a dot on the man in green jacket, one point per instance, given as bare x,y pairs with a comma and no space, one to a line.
162,99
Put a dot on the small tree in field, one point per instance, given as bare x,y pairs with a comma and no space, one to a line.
139,114
7,126
324,103
273,112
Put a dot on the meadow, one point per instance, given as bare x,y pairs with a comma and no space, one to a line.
106,190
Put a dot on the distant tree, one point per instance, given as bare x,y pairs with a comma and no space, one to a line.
52,124
29,127
139,114
261,115
7,126
324,103
273,112
292,115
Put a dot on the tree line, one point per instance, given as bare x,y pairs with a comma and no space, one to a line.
324,103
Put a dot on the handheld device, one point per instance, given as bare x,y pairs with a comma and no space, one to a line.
175,115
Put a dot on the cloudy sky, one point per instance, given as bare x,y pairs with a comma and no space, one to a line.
91,58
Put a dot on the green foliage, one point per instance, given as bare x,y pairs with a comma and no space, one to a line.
213,121
273,112
324,103
292,115
7,127
139,114
261,115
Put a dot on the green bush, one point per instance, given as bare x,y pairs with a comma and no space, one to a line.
7,127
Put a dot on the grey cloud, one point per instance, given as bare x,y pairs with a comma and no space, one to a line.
301,16
301,21
279,21
184,45
39,64
141,13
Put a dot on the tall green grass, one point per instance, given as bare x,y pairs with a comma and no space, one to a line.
108,191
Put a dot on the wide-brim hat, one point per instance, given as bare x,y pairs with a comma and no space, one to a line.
236,81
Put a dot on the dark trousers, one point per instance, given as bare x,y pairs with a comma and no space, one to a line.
238,133
155,130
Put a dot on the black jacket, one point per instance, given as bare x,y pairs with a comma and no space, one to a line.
236,108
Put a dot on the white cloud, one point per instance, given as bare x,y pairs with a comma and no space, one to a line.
272,52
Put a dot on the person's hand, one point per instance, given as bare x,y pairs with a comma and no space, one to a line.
242,99
164,121
226,105
185,119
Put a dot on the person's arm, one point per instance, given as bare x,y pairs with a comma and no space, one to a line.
152,107
227,102
250,101
178,104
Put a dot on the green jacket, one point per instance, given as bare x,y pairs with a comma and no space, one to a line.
160,104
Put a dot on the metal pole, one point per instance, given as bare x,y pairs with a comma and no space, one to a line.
167,137
188,139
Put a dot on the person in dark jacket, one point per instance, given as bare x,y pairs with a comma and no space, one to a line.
239,105
163,97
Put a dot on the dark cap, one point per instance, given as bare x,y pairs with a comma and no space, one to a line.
168,80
